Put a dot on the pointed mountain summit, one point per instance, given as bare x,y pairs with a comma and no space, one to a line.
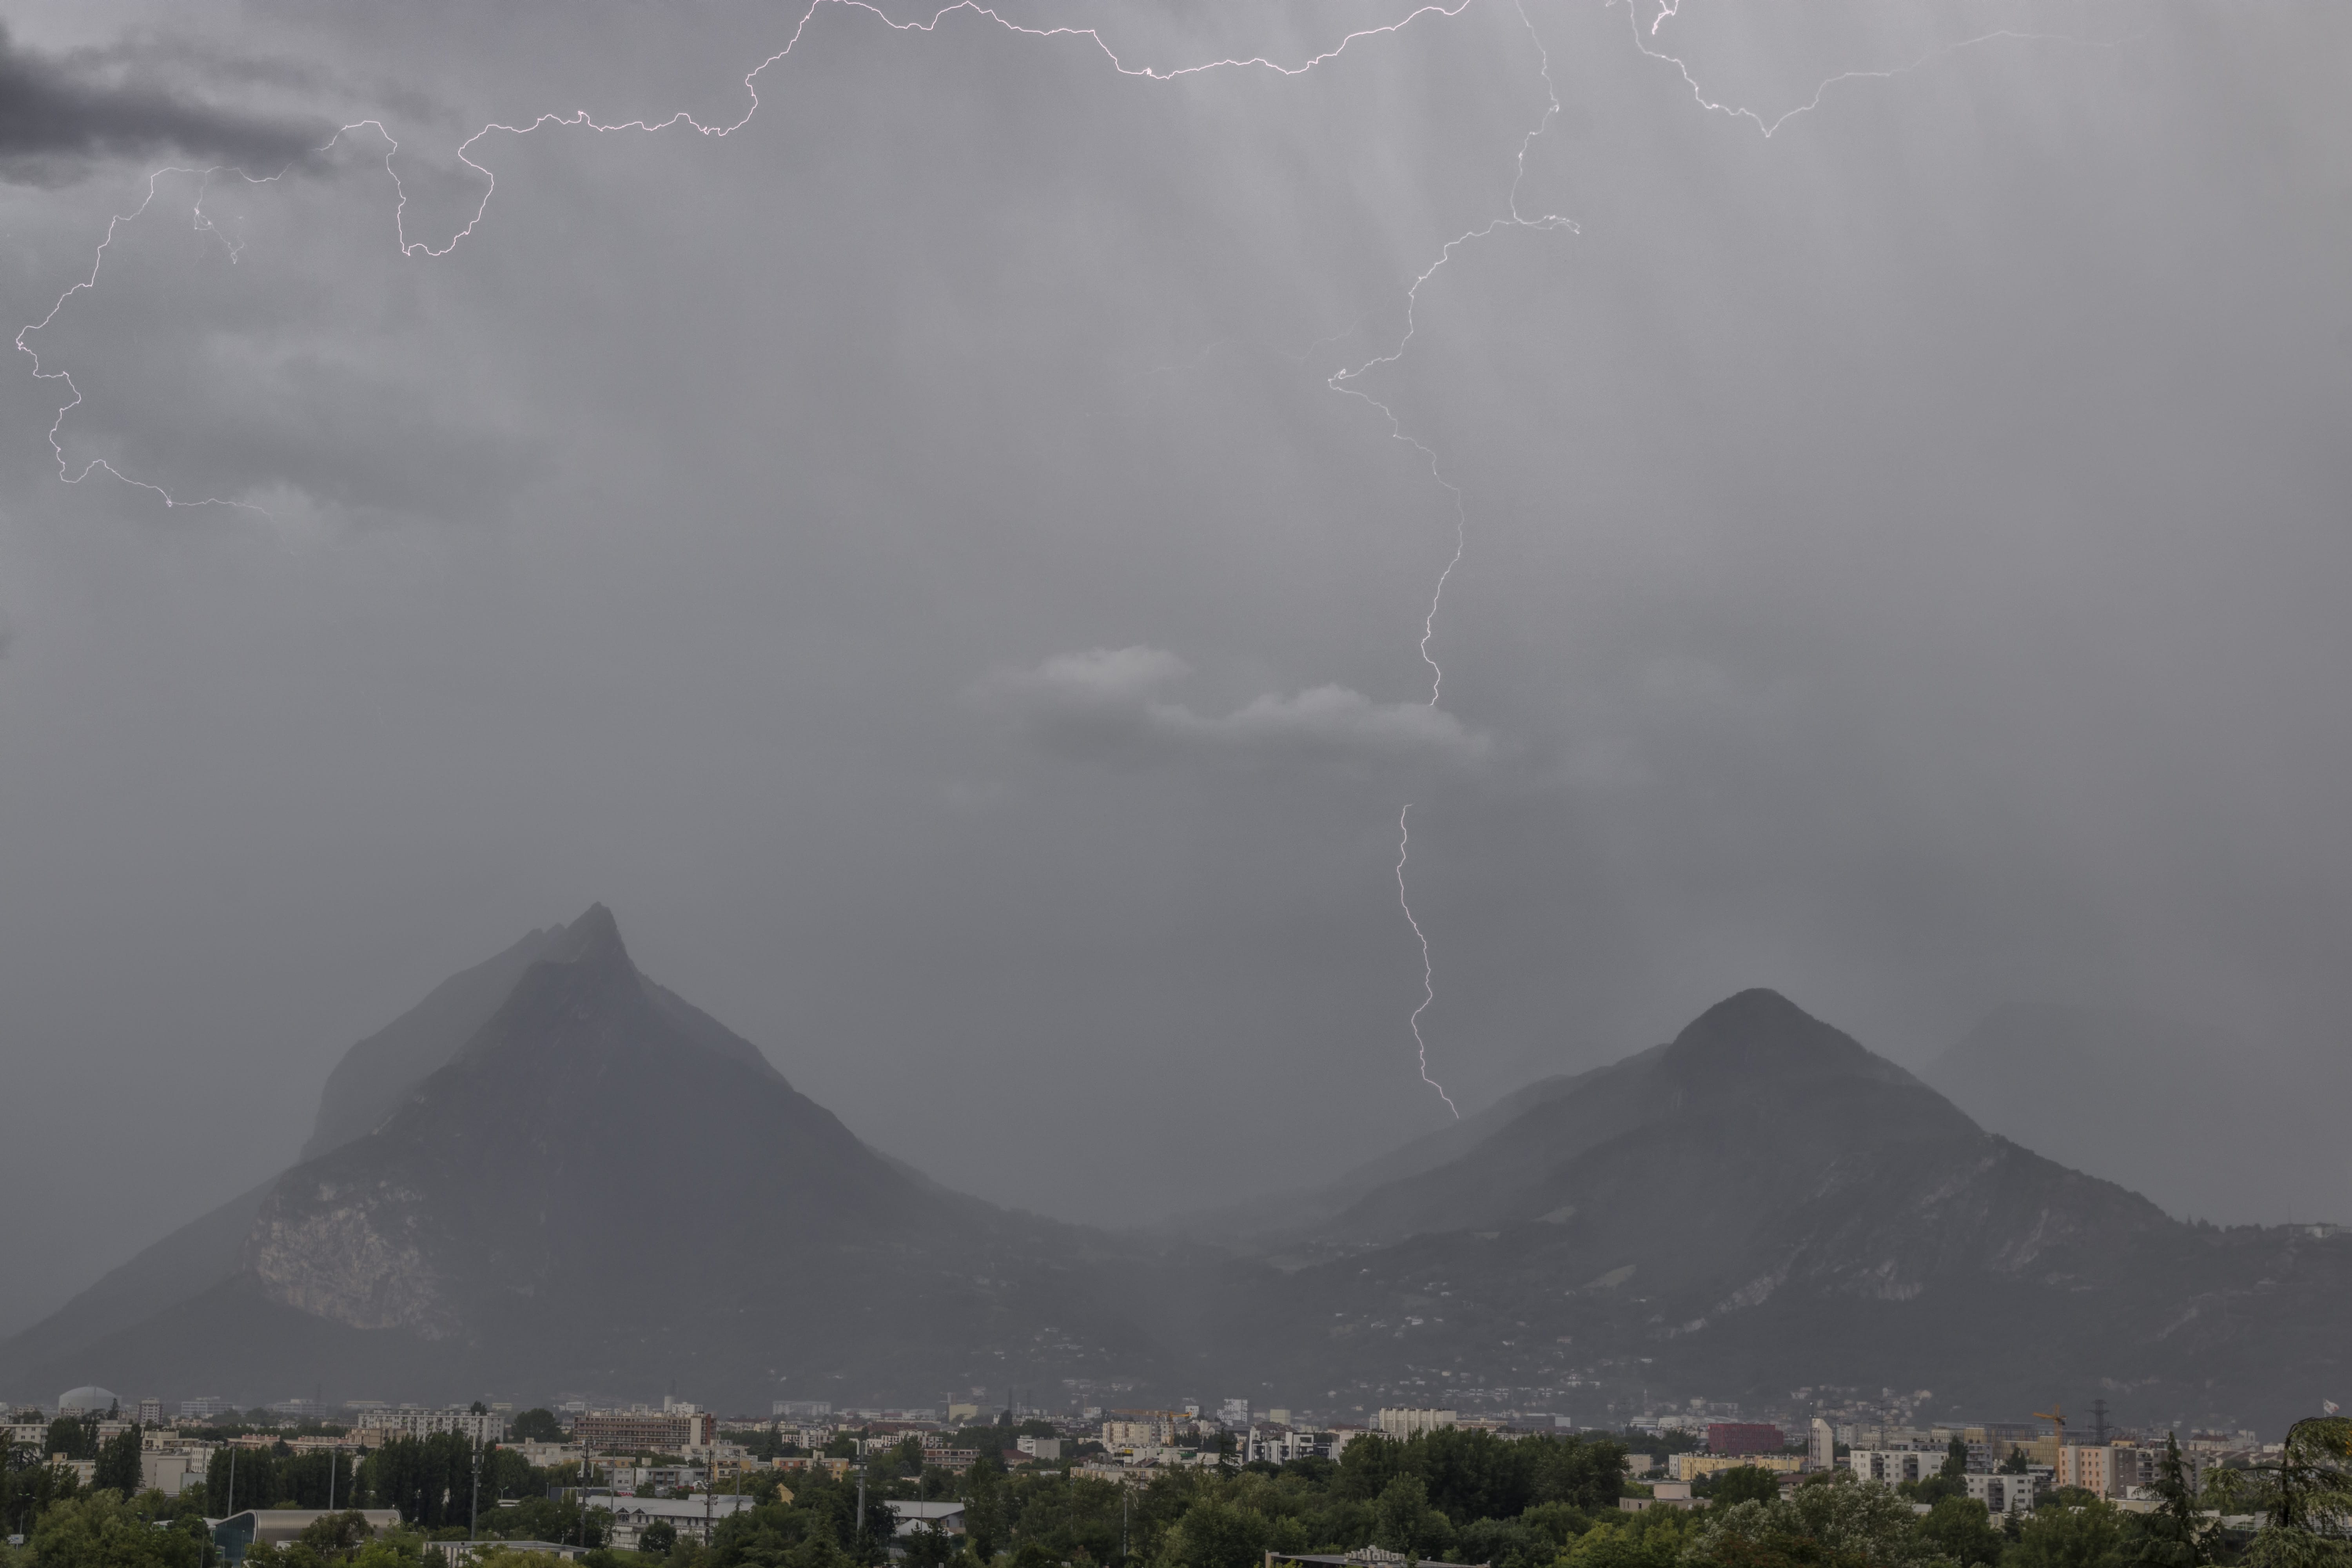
1738,1120
594,938
1757,1036
602,1188
583,1184
1763,1204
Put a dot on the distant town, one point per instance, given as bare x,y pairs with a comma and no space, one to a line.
96,1480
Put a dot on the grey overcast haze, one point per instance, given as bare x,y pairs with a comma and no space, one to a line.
940,562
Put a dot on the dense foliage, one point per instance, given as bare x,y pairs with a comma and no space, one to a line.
1452,1496
1473,1498
238,1477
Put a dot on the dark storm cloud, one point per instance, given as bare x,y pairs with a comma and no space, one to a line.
1903,567
58,113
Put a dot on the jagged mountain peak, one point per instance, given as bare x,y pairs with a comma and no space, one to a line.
593,939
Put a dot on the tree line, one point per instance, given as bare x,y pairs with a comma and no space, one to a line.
1440,1496
1553,1502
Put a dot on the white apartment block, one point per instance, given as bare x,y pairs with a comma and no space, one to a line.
1401,1423
2003,1494
2110,1469
1119,1435
1893,1464
382,1424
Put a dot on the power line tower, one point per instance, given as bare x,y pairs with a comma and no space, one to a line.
2099,1421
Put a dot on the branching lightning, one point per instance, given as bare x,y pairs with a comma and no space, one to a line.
1347,381
1668,8
583,120
202,226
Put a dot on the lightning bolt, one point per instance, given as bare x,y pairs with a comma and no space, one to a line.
1346,380
203,224
1343,381
1428,971
583,120
1669,8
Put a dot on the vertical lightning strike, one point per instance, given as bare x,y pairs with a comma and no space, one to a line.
1428,972
1342,381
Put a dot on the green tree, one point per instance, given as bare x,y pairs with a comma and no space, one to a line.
985,1520
929,1547
657,1538
1406,1522
236,1478
1555,1523
75,1437
1955,1460
2175,1535
393,1549
1932,1490
1959,1528
537,1425
338,1534
1475,1474
1074,1518
506,1474
1655,1538
2305,1497
2016,1464
781,1535
29,1489
2070,1534
1214,1534
102,1531
118,1463
1854,1523
1745,1483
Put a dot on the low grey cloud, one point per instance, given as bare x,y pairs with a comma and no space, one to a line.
1110,704
58,112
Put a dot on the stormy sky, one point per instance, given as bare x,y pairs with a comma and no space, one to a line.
910,558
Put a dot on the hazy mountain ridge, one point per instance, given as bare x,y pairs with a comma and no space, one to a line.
1765,1205
1276,1218
2154,1103
370,1079
604,1189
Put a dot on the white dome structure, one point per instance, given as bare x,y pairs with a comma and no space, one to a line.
88,1400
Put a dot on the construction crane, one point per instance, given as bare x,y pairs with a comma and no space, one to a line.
2057,1417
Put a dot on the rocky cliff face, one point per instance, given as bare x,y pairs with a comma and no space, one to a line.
354,1256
